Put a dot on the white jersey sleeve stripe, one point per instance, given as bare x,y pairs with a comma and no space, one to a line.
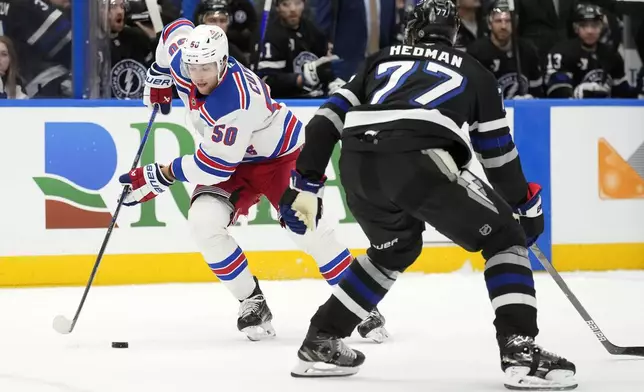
182,85
243,91
169,29
206,116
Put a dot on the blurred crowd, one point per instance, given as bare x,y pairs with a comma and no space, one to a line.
559,48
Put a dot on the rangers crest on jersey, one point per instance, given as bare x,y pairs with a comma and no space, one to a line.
127,79
509,84
301,59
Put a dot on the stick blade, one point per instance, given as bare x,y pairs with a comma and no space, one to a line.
636,351
62,325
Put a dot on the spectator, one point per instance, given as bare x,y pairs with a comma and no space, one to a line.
355,25
138,16
472,23
10,84
216,12
496,53
295,60
42,37
545,22
583,67
131,53
244,24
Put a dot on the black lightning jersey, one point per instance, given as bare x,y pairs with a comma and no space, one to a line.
285,52
43,39
407,98
504,66
570,64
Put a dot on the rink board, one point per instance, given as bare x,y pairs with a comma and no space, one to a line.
589,159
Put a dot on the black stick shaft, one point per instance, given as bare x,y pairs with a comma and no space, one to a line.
610,347
99,257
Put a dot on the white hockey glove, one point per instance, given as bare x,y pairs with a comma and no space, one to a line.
336,85
591,90
310,70
301,204
158,90
526,96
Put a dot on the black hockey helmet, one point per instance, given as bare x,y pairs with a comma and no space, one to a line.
588,12
432,20
208,6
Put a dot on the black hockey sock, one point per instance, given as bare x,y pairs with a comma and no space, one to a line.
362,287
508,276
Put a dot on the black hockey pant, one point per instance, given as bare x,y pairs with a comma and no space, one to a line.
392,195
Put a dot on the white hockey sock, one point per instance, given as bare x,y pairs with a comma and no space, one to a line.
208,219
331,257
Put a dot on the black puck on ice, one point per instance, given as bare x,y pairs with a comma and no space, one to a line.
120,345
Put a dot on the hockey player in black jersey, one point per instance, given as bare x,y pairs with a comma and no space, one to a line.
295,61
583,67
496,54
403,120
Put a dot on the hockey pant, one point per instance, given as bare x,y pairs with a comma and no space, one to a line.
214,208
392,195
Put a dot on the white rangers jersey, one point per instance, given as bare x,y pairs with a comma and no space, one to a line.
238,121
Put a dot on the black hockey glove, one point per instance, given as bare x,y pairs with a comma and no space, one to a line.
530,214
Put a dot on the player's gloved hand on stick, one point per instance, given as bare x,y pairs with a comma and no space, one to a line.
145,184
301,204
158,90
530,214
591,90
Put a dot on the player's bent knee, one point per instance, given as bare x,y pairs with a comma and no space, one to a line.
397,254
208,218
509,235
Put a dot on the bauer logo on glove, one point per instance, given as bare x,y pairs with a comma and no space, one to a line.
145,184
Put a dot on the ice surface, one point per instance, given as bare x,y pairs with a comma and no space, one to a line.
183,337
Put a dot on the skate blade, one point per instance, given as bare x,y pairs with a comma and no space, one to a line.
556,380
378,335
259,332
321,369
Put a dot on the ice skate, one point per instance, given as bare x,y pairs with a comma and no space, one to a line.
528,367
373,327
324,355
255,317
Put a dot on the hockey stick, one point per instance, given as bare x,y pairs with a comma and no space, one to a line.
259,47
515,47
61,323
610,347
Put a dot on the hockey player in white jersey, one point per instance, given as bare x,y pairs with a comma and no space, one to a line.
249,148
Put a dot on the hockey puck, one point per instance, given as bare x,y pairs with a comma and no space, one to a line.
120,345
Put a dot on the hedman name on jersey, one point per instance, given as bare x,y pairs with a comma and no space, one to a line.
435,54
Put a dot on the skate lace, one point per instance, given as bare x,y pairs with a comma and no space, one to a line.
251,305
520,340
344,350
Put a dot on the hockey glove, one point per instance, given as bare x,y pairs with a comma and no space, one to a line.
317,71
158,89
530,215
145,184
301,204
591,90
